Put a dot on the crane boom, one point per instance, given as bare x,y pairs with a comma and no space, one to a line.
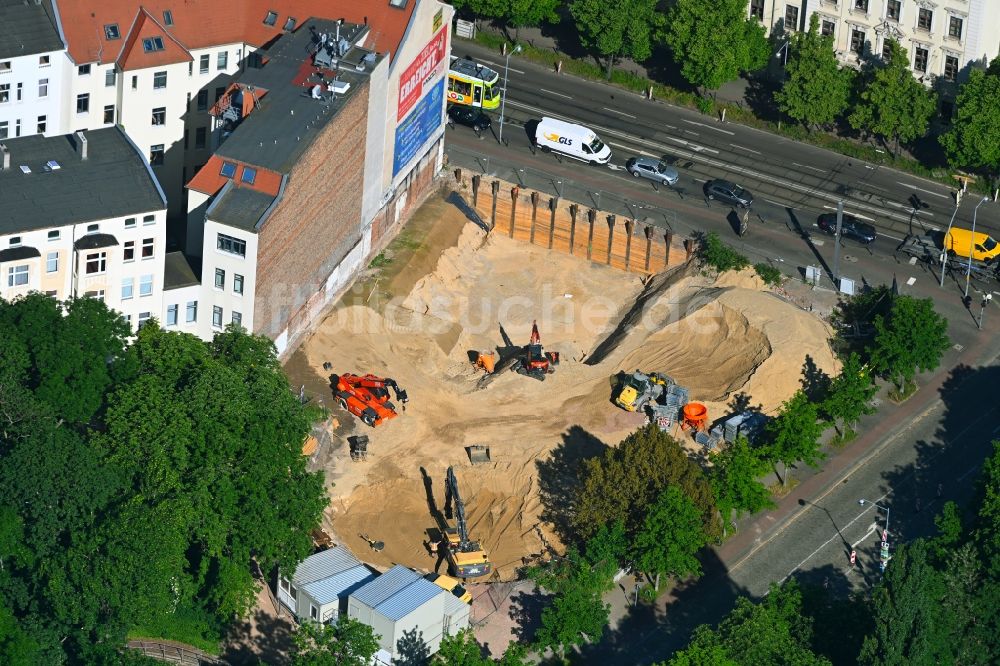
452,496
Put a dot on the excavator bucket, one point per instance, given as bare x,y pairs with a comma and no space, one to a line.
478,454
486,361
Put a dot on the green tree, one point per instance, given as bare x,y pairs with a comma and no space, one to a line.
346,643
816,91
713,41
973,142
576,614
461,649
850,394
735,478
986,531
794,434
607,549
515,14
911,338
614,30
772,632
893,104
628,479
671,536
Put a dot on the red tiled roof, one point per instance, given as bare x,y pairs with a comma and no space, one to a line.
201,24
134,56
209,179
249,99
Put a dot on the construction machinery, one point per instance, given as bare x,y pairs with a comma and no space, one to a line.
486,361
466,558
535,361
449,584
640,389
367,396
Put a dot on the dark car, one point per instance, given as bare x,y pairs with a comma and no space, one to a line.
655,170
469,116
731,193
851,227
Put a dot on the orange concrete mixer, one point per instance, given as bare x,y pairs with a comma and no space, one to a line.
695,417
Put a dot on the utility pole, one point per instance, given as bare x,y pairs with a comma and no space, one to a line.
836,244
972,244
987,297
944,243
503,97
884,553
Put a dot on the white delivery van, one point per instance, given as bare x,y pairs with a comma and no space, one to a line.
571,140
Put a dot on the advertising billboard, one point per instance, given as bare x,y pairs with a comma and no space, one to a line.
418,127
428,64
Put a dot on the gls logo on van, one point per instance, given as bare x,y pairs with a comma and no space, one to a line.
555,138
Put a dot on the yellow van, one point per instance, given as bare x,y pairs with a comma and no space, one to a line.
958,242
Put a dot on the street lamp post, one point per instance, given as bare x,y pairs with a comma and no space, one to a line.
944,250
885,539
972,244
503,97
986,299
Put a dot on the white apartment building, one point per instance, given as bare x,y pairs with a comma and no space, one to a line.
86,218
34,70
942,37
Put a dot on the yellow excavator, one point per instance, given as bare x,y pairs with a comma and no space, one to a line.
639,389
466,558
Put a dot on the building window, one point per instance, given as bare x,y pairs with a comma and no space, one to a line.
15,241
202,100
97,262
219,92
20,88
4,129
203,64
828,27
924,19
83,103
791,17
51,262
950,68
168,17
111,31
231,245
757,9
143,318
237,284
285,584
109,77
109,114
271,18
862,5
130,223
857,40
192,311
313,612
52,294
228,169
146,285
98,295
892,9
147,220
237,318
43,88
160,116
83,70
4,66
4,93
886,51
54,235
172,315
200,135
249,175
17,127
289,24
93,228
222,60
129,252
919,59
151,44
955,27
156,155
127,285
43,61
17,276
159,80
220,278
147,248
216,316
135,83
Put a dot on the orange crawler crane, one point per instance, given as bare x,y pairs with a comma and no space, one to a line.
367,396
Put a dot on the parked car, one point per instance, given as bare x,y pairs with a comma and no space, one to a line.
851,227
731,193
655,170
470,117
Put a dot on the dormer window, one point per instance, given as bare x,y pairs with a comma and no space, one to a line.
249,175
168,17
399,4
150,44
228,169
111,31
271,18
289,25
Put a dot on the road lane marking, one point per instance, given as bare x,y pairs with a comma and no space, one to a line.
631,150
691,133
920,189
711,127
749,150
620,113
858,215
910,209
806,166
693,146
490,62
909,283
553,92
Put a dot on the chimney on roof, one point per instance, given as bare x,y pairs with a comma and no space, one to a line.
336,41
5,154
81,145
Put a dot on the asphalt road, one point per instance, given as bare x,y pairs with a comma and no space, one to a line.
779,171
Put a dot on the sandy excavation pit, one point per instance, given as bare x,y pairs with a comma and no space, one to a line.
716,338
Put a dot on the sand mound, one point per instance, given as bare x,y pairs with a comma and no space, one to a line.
715,337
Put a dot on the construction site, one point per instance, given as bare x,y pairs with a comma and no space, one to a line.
511,357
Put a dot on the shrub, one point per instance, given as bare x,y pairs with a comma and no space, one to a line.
720,256
768,273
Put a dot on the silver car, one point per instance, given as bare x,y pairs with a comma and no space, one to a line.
655,170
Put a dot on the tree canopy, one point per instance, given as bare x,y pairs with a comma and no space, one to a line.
671,534
816,90
613,30
735,478
911,338
345,643
714,41
794,433
514,13
893,104
850,393
973,142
